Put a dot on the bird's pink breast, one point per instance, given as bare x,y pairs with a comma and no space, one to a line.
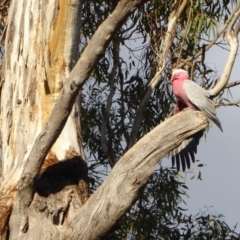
177,86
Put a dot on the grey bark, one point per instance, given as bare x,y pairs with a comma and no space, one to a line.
119,191
96,218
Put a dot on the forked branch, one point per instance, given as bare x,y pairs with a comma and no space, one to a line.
225,104
232,84
232,39
119,191
227,25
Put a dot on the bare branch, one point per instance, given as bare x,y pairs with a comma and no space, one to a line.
164,48
237,29
232,40
63,106
233,84
227,104
130,173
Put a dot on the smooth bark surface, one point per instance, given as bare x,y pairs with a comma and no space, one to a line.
232,39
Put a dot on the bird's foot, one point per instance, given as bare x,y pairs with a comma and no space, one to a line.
185,109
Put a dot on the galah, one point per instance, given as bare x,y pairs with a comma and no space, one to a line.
190,95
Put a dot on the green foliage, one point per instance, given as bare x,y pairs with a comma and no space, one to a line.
157,211
157,215
125,70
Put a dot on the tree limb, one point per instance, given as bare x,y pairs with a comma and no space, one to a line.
120,190
232,39
227,104
232,84
63,106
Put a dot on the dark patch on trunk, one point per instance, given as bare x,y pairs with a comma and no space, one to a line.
46,87
32,92
60,190
65,173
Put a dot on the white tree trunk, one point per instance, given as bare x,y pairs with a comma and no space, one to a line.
41,40
41,48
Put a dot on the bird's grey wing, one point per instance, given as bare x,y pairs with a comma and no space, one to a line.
200,98
185,152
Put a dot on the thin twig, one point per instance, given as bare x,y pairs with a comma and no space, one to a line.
227,104
233,84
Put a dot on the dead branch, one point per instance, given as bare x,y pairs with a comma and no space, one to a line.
120,190
227,104
232,39
233,84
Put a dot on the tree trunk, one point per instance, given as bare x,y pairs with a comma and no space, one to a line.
41,49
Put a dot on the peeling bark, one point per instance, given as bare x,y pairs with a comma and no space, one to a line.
62,109
61,190
43,51
40,51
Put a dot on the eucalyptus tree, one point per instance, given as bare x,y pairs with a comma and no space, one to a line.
82,84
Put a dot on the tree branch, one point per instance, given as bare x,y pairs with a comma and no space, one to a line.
63,106
227,104
233,84
164,49
120,190
232,39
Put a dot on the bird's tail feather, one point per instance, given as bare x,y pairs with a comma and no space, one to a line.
185,152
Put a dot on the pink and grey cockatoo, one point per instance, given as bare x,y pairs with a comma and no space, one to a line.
190,95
